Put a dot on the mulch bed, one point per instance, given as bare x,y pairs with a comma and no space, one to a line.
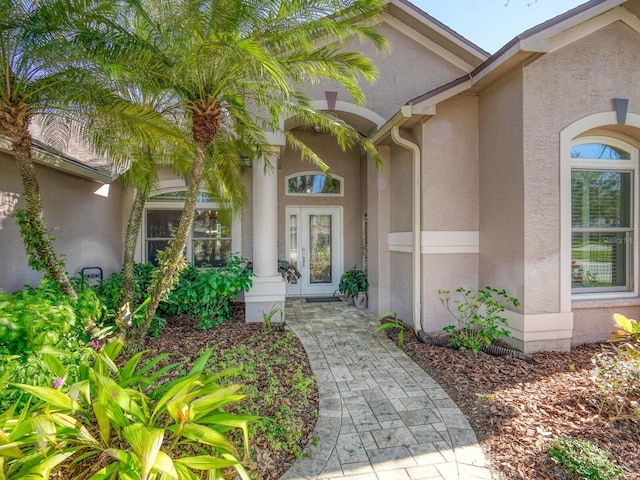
185,341
516,408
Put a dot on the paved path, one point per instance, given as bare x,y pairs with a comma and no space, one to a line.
381,416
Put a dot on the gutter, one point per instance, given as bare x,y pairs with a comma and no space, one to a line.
416,223
392,128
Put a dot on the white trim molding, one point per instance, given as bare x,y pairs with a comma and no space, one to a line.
537,332
347,107
437,242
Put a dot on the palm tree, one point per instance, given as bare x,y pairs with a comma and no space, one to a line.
45,70
232,70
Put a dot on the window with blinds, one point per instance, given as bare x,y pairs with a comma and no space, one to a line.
602,218
210,239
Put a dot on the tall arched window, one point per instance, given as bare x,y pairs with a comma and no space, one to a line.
211,237
604,220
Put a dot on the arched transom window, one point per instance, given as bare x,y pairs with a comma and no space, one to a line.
314,183
603,215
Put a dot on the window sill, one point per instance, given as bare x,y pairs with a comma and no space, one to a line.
604,301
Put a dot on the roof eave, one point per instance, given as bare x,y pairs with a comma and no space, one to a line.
44,155
521,49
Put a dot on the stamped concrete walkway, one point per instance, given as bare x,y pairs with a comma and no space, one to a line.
381,416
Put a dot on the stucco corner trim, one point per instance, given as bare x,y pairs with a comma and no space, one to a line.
438,242
532,331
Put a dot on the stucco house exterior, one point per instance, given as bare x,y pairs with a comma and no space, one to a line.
517,170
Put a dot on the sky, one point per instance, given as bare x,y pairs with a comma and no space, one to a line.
490,24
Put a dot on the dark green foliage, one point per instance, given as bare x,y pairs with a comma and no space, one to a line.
207,294
583,459
203,293
352,282
110,289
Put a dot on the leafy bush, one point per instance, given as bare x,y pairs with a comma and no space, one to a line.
352,282
203,293
478,316
103,426
583,459
110,289
207,294
36,317
617,372
38,327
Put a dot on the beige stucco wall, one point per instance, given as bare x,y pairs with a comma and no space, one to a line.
502,186
449,201
578,80
88,226
378,205
406,71
450,166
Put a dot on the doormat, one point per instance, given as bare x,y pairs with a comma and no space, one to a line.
322,299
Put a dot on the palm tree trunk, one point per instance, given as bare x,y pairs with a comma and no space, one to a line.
38,242
133,228
171,260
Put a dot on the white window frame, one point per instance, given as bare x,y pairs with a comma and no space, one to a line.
236,234
313,172
631,166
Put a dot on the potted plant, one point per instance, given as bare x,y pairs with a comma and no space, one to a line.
353,285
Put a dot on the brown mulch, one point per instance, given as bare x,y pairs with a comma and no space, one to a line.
516,408
185,342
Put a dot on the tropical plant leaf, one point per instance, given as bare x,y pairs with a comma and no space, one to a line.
206,462
146,443
54,398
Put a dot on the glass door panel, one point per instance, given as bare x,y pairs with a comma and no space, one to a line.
320,249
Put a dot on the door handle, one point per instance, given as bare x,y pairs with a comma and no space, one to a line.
304,256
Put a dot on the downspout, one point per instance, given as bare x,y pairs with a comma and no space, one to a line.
416,223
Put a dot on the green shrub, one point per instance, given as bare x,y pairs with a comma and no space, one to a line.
38,327
583,459
110,289
478,316
103,426
33,318
207,294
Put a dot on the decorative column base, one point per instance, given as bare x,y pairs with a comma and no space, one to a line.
266,292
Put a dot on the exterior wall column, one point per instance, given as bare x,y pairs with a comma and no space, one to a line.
269,287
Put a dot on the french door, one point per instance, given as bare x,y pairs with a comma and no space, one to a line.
314,248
